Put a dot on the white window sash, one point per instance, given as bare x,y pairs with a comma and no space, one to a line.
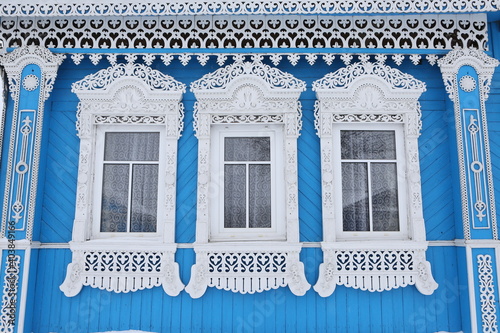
101,131
401,182
278,227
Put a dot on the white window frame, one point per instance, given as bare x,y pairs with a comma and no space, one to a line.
137,98
401,183
372,96
278,228
246,97
101,132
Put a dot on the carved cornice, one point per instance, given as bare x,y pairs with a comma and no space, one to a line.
199,7
130,93
345,77
274,78
154,80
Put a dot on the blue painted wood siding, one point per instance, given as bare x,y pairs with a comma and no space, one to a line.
347,310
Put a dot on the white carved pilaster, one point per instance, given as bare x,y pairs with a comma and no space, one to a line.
22,171
476,167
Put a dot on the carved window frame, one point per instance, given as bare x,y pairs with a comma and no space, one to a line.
376,95
125,96
254,95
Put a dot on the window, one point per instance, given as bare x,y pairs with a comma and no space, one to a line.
246,161
370,169
368,121
129,120
128,181
247,119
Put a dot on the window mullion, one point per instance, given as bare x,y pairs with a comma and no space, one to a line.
370,208
129,208
247,196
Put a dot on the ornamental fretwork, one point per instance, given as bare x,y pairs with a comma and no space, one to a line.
372,93
199,7
249,94
125,94
426,32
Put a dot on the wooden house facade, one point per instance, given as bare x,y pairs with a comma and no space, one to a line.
249,166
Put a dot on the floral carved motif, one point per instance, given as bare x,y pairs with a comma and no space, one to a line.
45,65
487,294
476,177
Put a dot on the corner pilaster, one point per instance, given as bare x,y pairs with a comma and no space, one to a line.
31,72
467,77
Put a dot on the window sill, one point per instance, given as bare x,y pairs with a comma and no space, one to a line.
120,265
247,268
375,266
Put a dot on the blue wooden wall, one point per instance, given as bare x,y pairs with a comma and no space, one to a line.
347,310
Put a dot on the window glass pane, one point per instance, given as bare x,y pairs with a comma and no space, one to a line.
260,195
130,146
368,145
247,149
144,198
355,209
384,197
235,196
114,204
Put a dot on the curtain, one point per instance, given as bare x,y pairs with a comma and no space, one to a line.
130,188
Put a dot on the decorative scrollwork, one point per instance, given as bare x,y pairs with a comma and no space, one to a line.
108,8
247,119
368,118
10,294
155,80
99,119
344,77
247,270
487,294
122,271
374,270
275,78
319,32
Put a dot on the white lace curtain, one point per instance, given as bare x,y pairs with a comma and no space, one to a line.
369,181
247,182
130,182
